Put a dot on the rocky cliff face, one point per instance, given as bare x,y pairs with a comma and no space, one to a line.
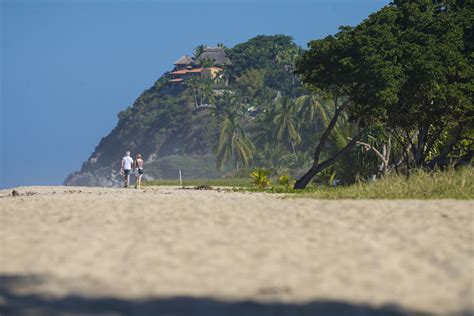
165,128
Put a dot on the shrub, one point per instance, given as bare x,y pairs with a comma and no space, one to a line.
260,178
284,180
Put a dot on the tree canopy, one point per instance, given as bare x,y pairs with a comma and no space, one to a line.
408,66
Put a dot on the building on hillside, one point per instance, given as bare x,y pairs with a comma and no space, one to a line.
186,73
187,67
217,54
184,62
211,72
179,77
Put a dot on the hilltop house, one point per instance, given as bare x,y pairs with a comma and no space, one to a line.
216,54
187,67
184,62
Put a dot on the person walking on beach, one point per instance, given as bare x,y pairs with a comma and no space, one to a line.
138,166
126,167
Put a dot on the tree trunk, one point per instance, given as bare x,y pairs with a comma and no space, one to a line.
318,167
447,148
327,132
381,155
195,98
303,182
293,147
419,154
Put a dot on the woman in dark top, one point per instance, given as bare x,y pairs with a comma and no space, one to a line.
138,166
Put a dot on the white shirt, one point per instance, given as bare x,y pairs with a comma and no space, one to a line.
127,162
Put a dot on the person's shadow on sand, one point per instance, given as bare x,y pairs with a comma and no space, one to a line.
14,304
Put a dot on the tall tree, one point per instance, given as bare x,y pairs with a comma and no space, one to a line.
201,89
250,82
312,108
233,144
408,65
286,122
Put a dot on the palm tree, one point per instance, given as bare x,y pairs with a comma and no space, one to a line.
273,155
288,59
312,106
206,90
250,82
226,74
286,121
227,105
206,62
263,130
193,86
201,90
198,51
219,80
233,143
314,113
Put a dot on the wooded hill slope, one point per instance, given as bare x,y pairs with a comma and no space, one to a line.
172,132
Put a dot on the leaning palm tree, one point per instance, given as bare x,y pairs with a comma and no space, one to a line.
286,122
233,144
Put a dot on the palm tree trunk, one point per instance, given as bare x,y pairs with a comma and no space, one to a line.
455,136
293,147
195,98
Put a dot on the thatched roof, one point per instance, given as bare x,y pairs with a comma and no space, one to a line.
214,53
184,60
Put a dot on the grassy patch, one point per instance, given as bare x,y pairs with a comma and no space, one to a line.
192,167
221,182
421,185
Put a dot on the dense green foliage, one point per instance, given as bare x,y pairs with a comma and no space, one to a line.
408,68
273,56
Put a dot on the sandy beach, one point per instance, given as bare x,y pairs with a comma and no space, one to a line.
171,251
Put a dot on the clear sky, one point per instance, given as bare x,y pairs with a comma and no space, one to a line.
68,67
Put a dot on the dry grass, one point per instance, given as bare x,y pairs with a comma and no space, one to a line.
420,185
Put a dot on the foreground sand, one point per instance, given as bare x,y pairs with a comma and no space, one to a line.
169,251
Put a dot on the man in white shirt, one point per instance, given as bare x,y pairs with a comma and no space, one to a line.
126,167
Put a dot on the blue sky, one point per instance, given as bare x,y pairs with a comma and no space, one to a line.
68,67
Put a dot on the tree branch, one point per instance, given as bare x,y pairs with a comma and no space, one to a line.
341,152
375,150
